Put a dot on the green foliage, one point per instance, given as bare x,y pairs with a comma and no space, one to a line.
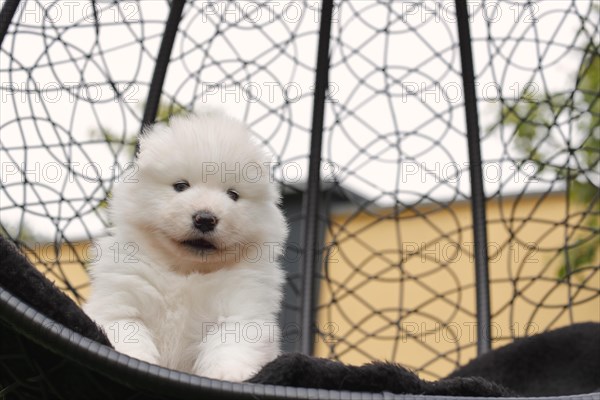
20,234
165,112
536,120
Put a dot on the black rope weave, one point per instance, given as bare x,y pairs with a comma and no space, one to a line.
394,151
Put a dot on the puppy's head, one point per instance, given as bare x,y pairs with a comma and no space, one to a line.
202,196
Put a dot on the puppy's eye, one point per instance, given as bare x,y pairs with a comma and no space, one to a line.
233,194
180,186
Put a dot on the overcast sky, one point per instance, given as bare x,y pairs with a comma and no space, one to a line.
367,131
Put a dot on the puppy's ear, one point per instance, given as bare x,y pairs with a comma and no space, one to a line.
147,133
269,164
278,197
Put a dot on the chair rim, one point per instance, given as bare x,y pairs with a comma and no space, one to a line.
167,382
133,372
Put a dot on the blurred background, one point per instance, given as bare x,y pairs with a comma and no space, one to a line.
397,279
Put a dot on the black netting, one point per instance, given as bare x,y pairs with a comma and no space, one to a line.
398,281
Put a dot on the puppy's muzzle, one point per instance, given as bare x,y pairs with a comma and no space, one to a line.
205,221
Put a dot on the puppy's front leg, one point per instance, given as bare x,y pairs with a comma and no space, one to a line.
132,337
235,350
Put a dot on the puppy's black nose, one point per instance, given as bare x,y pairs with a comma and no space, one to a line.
205,221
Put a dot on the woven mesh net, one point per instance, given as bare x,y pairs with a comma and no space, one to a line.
398,279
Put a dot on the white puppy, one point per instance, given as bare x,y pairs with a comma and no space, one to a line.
190,278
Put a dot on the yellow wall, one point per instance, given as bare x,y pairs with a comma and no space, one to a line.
404,284
64,266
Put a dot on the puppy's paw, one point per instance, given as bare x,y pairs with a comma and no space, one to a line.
144,356
144,353
228,372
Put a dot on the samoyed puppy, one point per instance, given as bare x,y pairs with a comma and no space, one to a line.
189,278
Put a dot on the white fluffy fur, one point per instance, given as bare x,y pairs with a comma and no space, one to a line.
211,313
